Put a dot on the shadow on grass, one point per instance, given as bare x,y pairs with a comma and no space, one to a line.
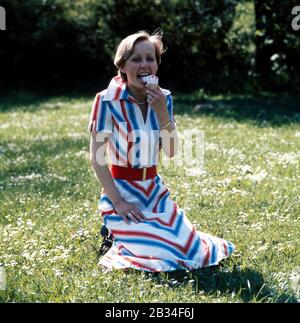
247,284
266,109
262,110
29,102
22,101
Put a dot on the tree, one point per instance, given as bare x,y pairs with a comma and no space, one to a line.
277,44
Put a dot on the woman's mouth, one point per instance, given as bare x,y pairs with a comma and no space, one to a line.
142,75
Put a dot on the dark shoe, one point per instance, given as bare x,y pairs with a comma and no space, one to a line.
106,242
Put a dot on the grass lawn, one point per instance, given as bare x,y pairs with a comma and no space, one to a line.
249,194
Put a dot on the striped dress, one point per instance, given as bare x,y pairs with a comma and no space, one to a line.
165,240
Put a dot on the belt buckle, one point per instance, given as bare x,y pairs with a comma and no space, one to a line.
144,173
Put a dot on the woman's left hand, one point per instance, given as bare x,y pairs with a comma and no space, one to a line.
158,102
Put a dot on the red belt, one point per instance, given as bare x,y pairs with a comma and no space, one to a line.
133,174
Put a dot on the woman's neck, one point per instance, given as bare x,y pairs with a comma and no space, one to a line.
139,95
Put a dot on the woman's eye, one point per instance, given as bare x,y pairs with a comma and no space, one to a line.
138,60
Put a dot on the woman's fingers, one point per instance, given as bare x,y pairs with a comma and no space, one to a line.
153,94
156,91
137,214
133,218
125,218
156,98
129,212
141,214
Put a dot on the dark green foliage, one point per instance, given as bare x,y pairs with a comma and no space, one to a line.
219,45
277,44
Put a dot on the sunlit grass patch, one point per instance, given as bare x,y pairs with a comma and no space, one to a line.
248,193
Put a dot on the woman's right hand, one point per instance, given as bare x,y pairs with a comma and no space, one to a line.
129,212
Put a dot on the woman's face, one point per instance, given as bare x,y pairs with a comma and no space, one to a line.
142,62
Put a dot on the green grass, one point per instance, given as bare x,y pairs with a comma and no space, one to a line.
248,194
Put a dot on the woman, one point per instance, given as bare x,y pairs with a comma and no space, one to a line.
149,230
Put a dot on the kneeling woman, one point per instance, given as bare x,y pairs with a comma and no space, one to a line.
150,232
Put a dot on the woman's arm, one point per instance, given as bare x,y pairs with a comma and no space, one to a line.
168,131
97,157
169,138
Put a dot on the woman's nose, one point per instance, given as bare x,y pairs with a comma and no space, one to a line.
144,63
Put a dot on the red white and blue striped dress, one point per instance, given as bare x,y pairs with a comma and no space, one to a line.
166,240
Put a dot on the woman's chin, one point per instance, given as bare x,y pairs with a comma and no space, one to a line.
139,86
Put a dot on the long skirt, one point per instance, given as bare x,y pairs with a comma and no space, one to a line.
165,241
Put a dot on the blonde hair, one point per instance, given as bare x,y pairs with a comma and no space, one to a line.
126,46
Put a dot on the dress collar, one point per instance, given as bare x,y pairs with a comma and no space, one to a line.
117,90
